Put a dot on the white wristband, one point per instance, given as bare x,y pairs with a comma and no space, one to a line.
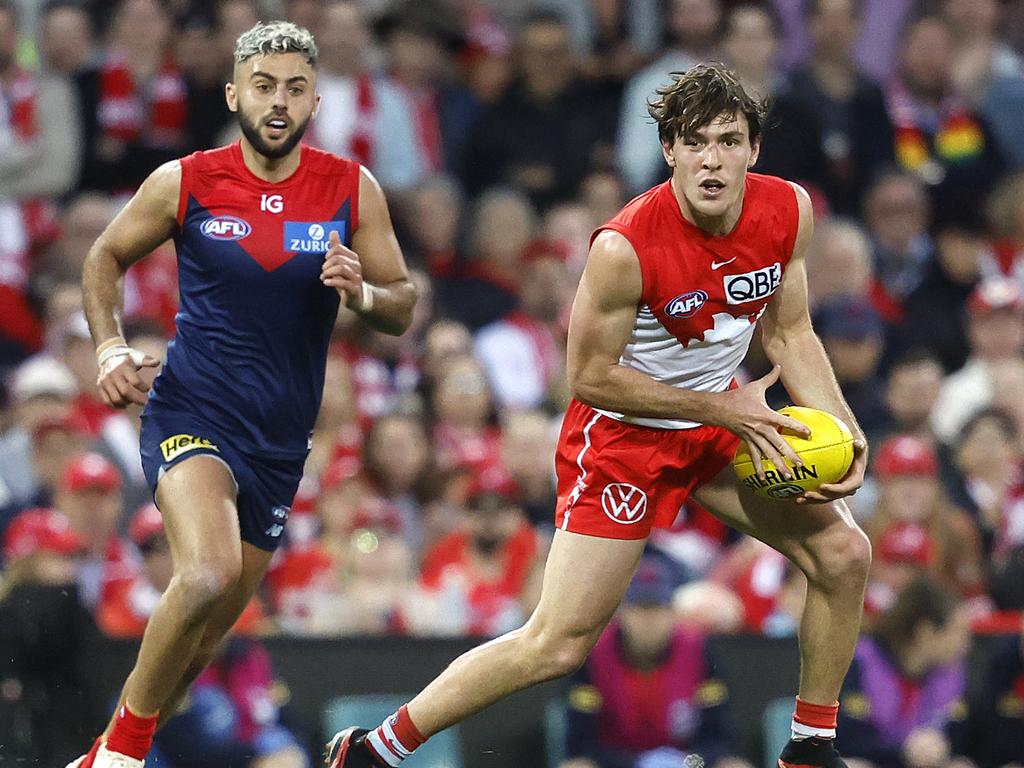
118,350
366,300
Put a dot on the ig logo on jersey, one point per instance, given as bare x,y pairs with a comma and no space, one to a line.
686,305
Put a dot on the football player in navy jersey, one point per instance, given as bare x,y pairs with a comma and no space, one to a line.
271,237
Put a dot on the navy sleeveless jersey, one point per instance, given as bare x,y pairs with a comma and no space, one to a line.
254,320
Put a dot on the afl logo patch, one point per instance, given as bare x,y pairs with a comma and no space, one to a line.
225,228
686,305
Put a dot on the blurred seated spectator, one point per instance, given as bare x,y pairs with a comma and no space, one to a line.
485,287
40,390
791,145
839,263
853,335
613,38
397,459
648,694
527,452
933,312
524,351
938,136
90,496
548,128
134,105
465,432
79,354
911,391
986,71
125,607
1006,217
433,215
998,713
770,589
474,581
857,137
709,608
902,703
691,29
995,333
420,39
915,530
444,341
361,117
205,69
232,717
67,40
338,432
897,213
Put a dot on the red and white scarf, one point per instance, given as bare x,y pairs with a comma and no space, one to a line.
154,111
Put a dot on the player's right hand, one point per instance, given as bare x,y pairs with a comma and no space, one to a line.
745,412
119,381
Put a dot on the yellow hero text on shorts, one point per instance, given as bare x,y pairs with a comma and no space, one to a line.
176,445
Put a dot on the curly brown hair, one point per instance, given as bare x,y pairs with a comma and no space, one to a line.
696,97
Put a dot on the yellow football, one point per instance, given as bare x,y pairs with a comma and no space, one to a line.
827,455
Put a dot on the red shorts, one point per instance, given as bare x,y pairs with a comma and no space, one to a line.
618,481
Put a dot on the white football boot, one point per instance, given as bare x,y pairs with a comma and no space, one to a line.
107,759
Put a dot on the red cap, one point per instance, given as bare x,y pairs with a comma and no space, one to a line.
377,513
906,455
906,543
147,522
40,530
995,293
90,470
338,471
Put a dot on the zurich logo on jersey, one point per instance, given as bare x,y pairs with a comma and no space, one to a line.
686,305
225,228
311,236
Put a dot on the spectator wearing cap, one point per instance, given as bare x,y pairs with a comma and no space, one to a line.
125,607
40,547
995,333
649,693
916,530
903,700
523,352
40,390
476,580
90,495
853,335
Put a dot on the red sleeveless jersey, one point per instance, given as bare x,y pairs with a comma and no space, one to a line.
702,293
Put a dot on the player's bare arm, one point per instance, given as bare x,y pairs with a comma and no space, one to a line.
371,276
602,319
147,221
790,341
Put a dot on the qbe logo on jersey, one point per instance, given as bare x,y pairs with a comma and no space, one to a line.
623,503
752,286
312,236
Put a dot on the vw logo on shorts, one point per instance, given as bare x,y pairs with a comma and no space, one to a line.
623,503
316,231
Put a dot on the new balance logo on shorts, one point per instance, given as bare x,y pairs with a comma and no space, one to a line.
623,503
175,445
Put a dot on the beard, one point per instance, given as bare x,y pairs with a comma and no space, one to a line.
251,131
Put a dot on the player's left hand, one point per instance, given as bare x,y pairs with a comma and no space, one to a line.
848,486
343,271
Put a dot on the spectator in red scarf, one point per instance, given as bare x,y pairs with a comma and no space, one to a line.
135,104
39,138
464,432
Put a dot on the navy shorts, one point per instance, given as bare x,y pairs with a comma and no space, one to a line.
266,487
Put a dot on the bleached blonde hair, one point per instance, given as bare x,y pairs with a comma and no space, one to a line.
275,37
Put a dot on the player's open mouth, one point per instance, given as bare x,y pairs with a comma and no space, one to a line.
712,187
277,126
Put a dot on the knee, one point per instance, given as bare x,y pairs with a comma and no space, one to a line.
557,652
841,561
203,585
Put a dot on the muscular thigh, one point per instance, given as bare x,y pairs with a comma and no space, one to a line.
799,531
584,581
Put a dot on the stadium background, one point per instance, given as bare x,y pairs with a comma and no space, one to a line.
504,132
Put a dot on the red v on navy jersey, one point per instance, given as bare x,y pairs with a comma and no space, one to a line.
255,320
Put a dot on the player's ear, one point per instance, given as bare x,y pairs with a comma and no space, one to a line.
668,152
231,96
755,152
316,105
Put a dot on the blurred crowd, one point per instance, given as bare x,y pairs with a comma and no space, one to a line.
504,133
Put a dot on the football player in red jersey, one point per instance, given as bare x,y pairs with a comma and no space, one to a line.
663,317
271,237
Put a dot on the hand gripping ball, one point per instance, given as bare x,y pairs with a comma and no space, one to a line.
827,455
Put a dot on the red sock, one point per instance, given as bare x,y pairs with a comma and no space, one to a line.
815,720
91,754
132,735
394,739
